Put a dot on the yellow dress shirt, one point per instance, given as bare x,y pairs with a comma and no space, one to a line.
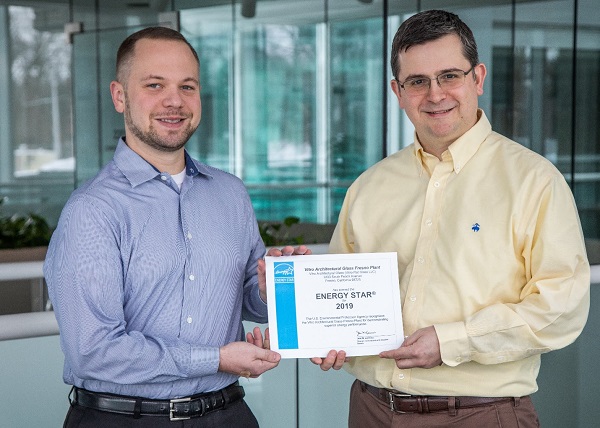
490,252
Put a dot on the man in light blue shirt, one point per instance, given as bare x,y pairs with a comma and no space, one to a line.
156,261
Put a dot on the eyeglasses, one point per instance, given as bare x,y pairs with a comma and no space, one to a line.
447,80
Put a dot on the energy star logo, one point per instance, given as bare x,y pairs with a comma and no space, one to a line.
283,271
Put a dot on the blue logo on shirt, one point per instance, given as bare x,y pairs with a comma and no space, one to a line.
475,227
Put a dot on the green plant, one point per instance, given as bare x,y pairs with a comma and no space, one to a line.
278,233
20,231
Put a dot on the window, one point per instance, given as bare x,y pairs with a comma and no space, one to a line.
36,150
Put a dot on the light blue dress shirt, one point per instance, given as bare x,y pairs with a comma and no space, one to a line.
147,281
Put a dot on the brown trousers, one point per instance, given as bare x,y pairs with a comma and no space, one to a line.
367,411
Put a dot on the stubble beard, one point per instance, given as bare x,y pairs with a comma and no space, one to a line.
155,141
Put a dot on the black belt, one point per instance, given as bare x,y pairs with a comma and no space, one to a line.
407,403
176,409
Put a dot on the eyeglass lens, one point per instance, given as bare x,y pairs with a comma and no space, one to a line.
447,80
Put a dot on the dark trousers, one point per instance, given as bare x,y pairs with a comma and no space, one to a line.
235,415
367,411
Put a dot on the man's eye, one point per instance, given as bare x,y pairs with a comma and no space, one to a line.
449,76
153,85
417,83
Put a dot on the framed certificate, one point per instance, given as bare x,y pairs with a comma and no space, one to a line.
347,302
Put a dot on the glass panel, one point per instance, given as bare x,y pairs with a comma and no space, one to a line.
542,80
291,103
86,91
278,85
209,30
356,96
36,166
36,153
278,128
587,120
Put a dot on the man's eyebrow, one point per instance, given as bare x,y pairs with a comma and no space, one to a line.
421,76
191,79
157,77
152,77
450,70
416,76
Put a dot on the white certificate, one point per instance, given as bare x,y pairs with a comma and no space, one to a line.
347,302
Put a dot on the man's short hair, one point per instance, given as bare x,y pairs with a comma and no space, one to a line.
127,48
431,25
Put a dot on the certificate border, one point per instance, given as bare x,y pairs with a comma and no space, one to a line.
281,303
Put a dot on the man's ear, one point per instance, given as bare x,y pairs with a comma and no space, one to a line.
480,73
397,90
117,92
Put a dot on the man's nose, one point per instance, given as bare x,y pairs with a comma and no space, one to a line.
435,92
173,98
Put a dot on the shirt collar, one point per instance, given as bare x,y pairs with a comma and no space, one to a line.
463,149
137,171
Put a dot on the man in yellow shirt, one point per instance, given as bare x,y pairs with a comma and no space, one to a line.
492,262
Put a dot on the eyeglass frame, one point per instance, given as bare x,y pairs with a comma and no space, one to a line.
437,78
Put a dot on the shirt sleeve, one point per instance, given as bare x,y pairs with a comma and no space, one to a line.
253,309
84,273
554,300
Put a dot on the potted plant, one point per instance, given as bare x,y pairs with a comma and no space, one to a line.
23,237
290,231
278,233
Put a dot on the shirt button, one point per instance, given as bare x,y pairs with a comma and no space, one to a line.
400,376
458,359
189,320
413,298
436,184
421,260
428,222
189,235
192,277
457,167
163,177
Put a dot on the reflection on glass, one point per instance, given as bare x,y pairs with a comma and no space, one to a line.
36,155
293,97
290,107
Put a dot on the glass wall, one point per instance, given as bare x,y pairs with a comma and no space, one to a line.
292,99
36,144
296,97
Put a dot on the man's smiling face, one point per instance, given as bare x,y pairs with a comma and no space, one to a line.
161,95
439,116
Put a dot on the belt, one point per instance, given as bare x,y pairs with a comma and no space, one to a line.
176,409
407,403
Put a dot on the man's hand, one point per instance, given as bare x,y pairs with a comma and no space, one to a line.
256,338
274,252
334,360
420,349
248,359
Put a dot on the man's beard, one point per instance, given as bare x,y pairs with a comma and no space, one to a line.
152,139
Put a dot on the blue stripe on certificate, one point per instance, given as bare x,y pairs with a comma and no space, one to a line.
285,299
